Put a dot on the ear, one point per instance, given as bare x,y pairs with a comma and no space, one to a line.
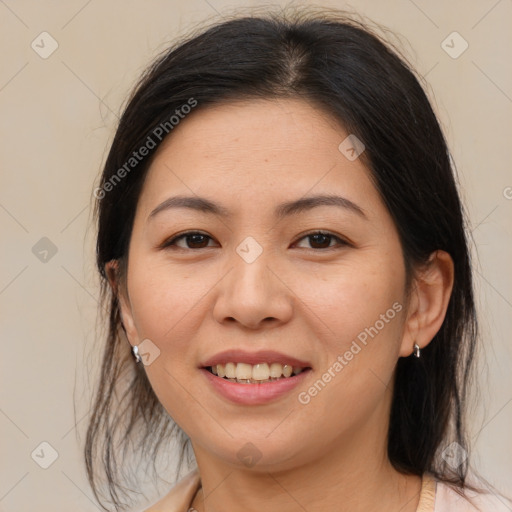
119,288
430,295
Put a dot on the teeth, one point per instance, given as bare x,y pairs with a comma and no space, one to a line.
230,370
243,371
248,373
260,372
276,370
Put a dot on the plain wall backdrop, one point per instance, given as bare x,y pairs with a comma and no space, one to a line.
67,68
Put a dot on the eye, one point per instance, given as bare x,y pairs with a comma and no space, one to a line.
192,240
198,240
322,240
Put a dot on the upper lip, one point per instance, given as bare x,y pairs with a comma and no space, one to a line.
261,356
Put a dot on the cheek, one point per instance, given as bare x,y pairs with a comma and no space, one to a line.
362,322
350,297
165,300
166,305
358,317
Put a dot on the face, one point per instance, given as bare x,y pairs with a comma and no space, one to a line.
258,276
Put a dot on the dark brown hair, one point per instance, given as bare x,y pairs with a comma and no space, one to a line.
348,71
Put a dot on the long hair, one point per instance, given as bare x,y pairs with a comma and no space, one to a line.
345,69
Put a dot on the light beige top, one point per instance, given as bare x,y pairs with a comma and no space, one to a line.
435,496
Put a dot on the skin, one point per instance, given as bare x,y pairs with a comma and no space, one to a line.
297,297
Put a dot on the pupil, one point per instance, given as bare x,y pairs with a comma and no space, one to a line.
196,239
326,238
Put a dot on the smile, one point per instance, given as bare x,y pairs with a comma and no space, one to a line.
244,373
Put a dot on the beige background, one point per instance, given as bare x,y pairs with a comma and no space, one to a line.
58,116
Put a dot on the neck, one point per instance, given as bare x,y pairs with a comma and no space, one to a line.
355,476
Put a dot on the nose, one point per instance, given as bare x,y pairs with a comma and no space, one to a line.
254,294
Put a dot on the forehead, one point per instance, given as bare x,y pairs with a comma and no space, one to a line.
255,152
257,126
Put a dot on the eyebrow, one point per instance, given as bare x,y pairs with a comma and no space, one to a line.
283,210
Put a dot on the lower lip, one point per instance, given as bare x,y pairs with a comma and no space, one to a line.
254,394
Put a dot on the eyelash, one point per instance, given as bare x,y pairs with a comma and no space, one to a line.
172,241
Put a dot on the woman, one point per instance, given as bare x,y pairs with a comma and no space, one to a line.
283,251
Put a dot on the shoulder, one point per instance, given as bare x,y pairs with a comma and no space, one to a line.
448,500
179,498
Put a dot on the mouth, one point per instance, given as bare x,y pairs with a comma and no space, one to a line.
254,384
260,373
254,378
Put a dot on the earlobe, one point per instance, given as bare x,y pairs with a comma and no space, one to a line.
429,301
127,323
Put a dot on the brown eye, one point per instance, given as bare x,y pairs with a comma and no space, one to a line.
196,240
321,240
192,239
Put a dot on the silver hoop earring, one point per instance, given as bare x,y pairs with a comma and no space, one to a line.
416,350
136,355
